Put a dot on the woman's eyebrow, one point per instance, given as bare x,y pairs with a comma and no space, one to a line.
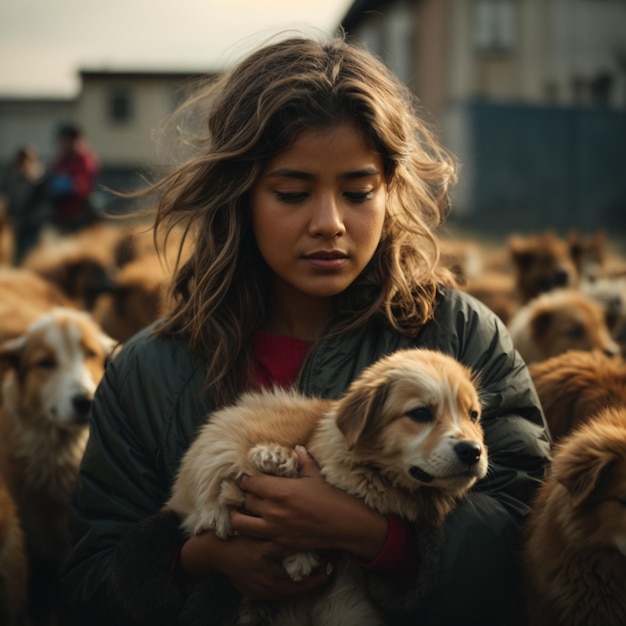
286,172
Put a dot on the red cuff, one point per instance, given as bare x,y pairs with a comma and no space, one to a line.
176,569
395,555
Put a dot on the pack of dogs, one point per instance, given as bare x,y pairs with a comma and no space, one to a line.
75,299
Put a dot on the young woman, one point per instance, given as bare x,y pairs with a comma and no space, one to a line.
312,200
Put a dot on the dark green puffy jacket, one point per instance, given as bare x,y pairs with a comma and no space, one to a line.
151,402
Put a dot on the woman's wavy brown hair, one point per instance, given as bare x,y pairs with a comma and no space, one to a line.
255,111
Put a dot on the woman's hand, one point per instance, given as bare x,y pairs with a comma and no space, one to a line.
307,513
253,566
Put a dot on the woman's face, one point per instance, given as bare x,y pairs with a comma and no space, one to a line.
318,211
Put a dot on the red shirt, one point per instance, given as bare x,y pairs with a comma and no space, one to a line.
81,169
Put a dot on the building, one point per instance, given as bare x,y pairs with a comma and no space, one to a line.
121,113
531,94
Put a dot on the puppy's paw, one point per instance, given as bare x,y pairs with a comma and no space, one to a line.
210,517
300,565
274,459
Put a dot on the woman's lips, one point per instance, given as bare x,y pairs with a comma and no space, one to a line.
326,260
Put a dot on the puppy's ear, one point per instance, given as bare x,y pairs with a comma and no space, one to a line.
584,473
11,353
108,343
542,323
359,409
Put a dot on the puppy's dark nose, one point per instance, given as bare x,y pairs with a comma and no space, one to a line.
468,452
82,403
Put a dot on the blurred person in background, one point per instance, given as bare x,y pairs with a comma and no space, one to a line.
72,180
22,190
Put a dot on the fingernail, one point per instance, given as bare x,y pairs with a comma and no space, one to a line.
301,449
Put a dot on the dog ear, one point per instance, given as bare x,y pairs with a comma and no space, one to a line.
11,353
583,474
542,323
521,256
358,409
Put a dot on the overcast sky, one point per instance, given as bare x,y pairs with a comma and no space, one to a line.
44,43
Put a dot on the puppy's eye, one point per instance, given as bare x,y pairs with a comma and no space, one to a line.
46,363
421,414
576,332
90,354
473,416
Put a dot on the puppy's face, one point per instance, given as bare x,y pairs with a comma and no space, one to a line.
591,466
416,416
542,263
54,368
567,320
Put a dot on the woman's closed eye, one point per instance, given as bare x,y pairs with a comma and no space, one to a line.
359,196
291,197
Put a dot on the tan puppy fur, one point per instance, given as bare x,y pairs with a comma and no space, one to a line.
575,552
80,264
140,297
576,385
541,263
51,373
13,562
406,438
558,321
497,291
24,296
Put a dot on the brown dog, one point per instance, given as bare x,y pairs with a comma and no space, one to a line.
558,321
541,263
575,549
139,297
51,373
406,438
576,385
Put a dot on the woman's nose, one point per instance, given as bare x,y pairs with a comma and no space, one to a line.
326,217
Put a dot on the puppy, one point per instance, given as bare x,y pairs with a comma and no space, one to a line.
541,263
575,548
51,373
576,385
139,297
558,321
80,265
13,563
406,438
588,253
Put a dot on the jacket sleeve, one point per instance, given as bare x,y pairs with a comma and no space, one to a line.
479,563
119,570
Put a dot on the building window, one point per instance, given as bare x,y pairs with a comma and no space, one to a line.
495,25
120,106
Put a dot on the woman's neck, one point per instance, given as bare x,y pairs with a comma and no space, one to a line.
304,318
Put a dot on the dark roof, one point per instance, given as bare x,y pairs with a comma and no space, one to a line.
143,74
